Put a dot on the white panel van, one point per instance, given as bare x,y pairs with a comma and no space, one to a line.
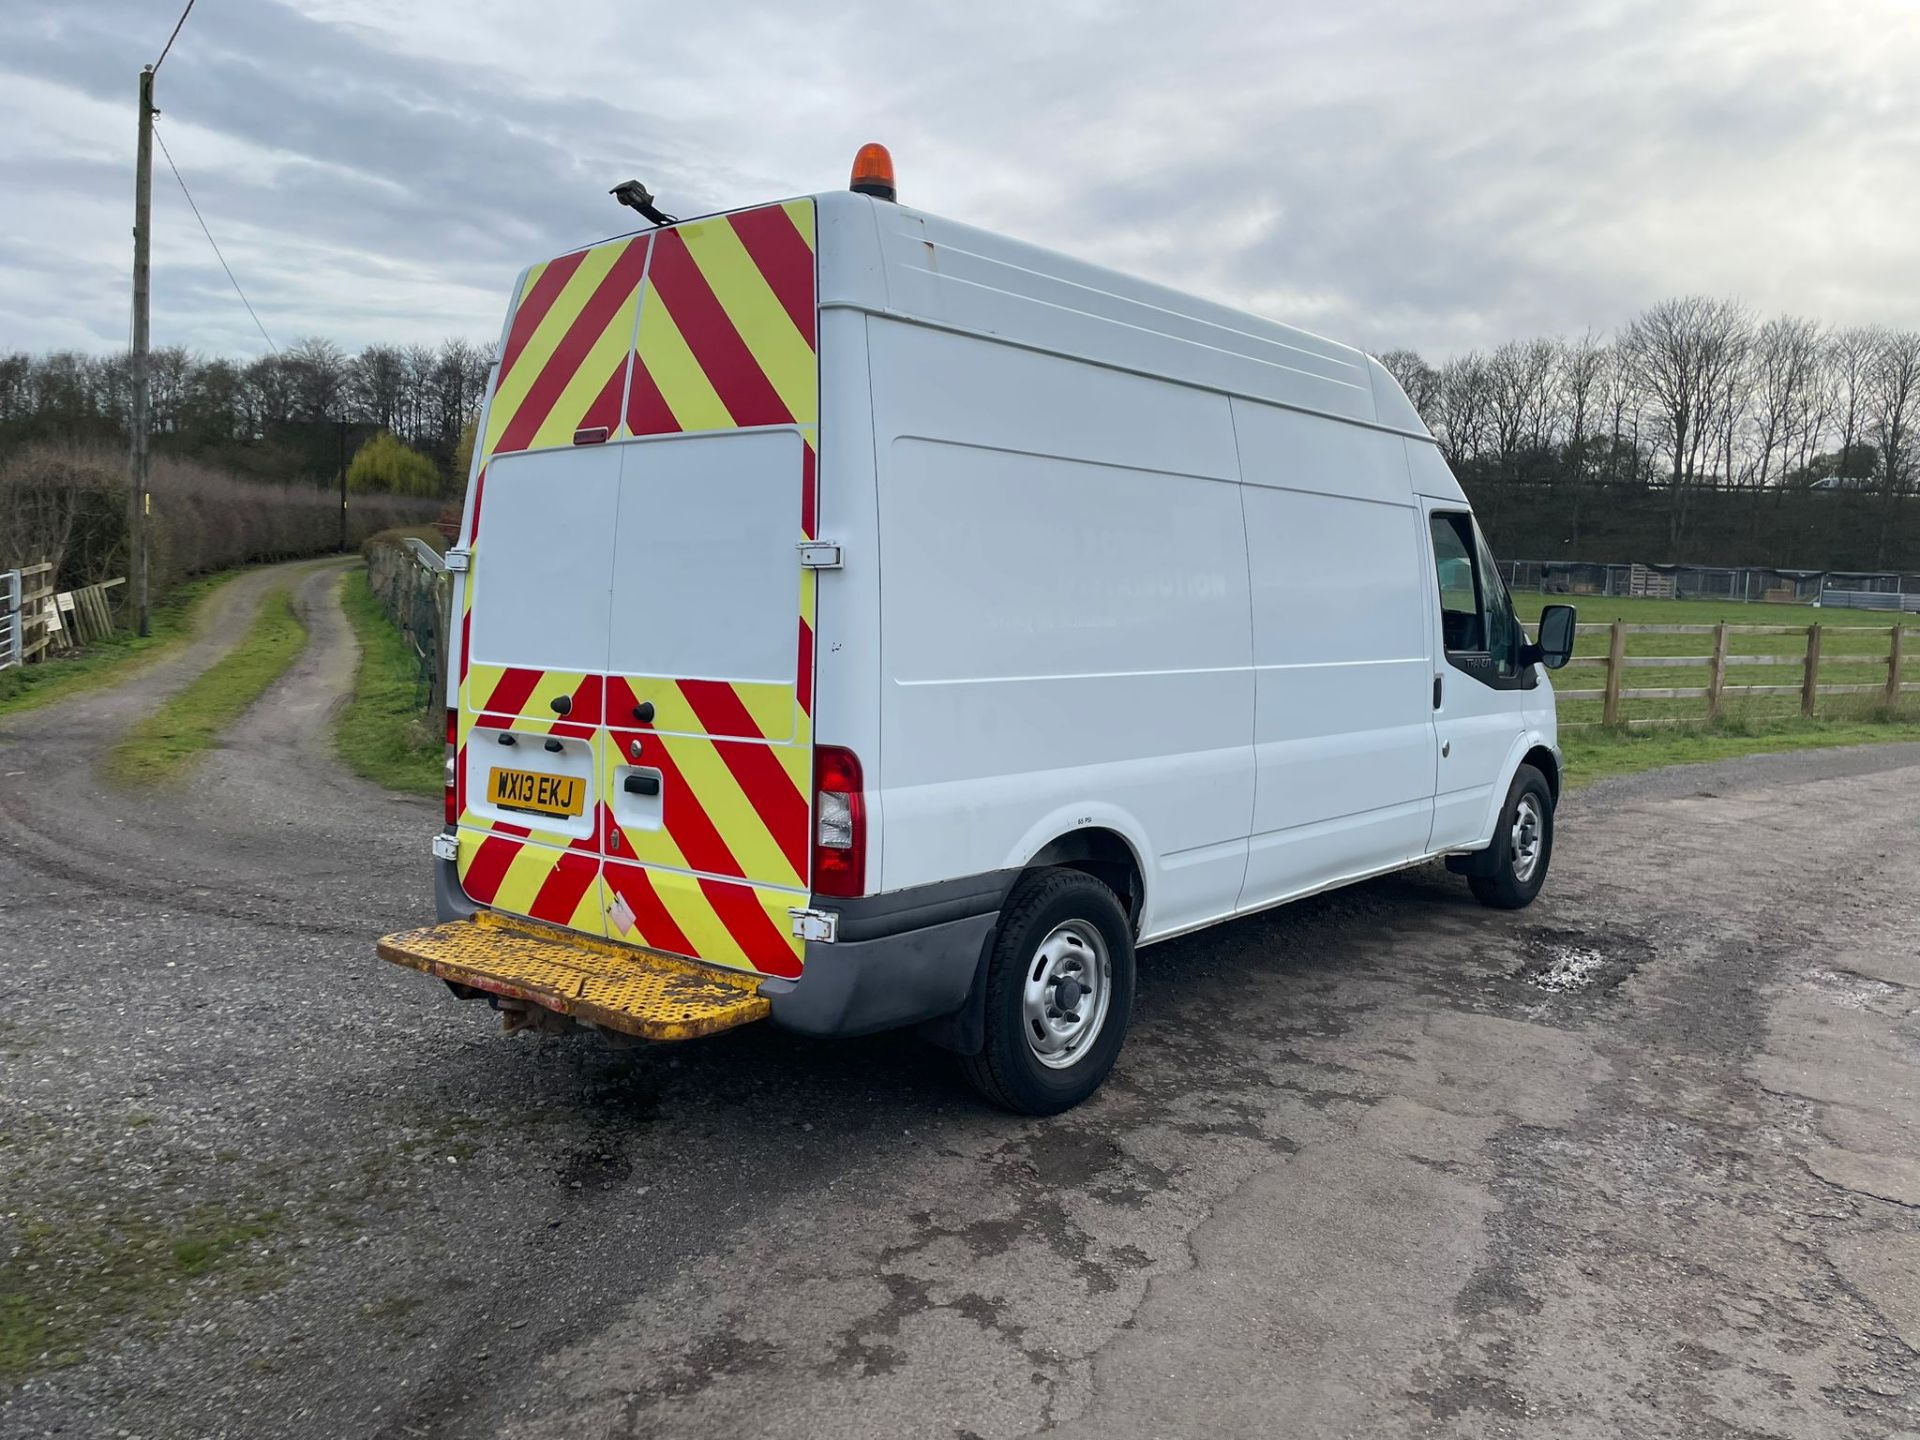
865,620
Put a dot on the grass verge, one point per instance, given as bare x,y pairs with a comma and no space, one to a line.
175,617
1600,753
381,734
160,745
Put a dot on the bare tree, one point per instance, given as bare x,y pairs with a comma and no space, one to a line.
1786,367
376,381
1685,356
1462,407
1893,398
1850,358
1578,367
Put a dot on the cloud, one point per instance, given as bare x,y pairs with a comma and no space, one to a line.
1444,176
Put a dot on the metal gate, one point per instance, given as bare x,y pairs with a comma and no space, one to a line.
10,631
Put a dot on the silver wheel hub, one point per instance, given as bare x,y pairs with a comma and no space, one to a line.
1064,1000
1525,840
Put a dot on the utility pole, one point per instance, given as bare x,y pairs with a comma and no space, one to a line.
137,502
343,486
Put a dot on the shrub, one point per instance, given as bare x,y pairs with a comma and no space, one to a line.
387,464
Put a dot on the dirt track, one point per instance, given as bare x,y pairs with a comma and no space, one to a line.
1643,1160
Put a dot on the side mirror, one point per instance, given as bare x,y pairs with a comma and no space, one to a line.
1555,646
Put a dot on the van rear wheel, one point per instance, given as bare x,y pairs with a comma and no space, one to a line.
1516,862
1059,994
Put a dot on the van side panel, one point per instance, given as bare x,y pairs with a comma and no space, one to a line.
847,624
1343,716
1065,632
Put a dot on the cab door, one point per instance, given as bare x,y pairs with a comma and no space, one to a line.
1479,699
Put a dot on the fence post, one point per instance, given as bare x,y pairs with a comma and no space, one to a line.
1810,687
1717,680
1893,666
1616,657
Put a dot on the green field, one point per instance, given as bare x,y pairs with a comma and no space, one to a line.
1853,647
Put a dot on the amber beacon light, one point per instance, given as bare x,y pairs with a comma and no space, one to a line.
873,173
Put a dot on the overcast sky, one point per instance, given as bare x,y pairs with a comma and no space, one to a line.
1441,174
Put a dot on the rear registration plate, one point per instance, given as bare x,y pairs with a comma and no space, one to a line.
542,794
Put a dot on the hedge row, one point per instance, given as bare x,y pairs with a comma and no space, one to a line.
68,504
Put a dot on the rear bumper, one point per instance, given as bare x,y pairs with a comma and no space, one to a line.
855,987
450,902
903,958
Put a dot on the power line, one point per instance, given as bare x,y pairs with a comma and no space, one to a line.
208,233
176,32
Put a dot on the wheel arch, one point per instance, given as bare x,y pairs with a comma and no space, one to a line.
1528,749
1104,853
1543,759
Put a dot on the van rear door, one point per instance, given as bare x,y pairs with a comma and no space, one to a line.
707,762
533,631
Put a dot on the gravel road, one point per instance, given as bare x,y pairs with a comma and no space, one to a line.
1643,1160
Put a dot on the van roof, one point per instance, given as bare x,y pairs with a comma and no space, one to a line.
892,260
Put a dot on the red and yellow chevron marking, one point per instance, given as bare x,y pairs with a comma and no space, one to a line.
507,872
730,808
743,927
726,334
513,691
564,366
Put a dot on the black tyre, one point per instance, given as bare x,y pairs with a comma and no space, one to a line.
1059,994
1516,862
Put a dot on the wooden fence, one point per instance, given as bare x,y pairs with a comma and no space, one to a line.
1843,645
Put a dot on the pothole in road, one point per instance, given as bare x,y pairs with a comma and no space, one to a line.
1569,962
602,1167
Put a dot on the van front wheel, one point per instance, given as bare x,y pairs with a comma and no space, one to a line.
1522,845
1059,994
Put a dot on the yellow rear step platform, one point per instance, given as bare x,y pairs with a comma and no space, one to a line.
618,987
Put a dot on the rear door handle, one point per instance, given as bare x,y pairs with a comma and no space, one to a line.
642,785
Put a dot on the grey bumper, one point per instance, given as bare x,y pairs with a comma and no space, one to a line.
855,987
450,902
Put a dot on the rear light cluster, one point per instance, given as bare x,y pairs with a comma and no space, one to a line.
449,791
839,823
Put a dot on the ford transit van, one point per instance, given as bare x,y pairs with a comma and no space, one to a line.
864,620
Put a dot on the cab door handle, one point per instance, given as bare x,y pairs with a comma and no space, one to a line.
1436,692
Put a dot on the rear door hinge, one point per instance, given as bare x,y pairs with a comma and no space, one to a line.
819,554
820,925
445,847
459,559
